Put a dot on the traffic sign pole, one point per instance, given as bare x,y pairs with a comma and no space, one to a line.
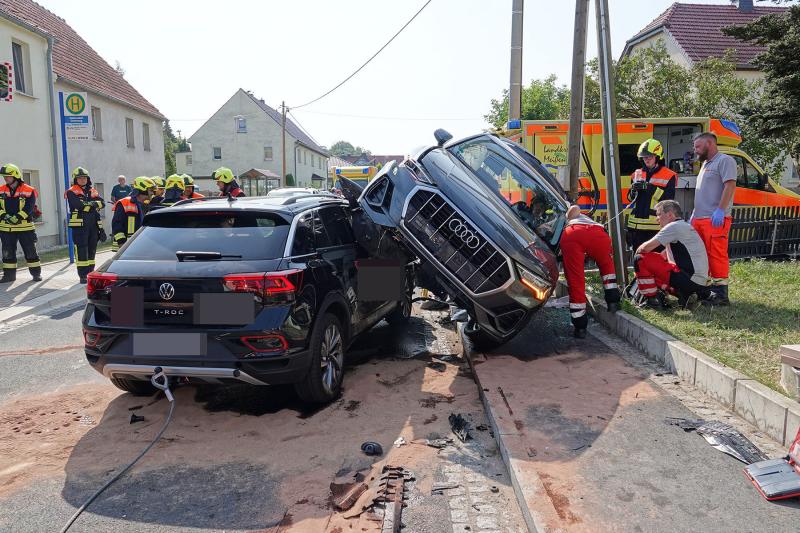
66,174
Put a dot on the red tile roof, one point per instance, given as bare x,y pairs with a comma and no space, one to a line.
698,30
76,61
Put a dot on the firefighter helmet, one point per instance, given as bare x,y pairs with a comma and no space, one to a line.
223,174
651,147
175,181
11,170
143,184
187,180
81,172
159,181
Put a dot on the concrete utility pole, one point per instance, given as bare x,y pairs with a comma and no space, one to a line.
283,144
576,96
608,106
515,89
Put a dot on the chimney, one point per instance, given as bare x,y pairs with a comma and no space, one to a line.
746,6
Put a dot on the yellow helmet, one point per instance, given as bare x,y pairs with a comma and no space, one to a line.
651,147
187,180
11,170
175,181
79,172
159,181
143,184
222,174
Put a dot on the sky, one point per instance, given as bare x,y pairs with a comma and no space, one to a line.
189,57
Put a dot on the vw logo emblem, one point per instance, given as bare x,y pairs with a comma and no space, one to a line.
166,291
462,231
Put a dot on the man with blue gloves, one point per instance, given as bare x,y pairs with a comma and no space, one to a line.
713,200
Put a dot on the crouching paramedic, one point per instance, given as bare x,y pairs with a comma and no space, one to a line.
84,220
17,206
681,269
649,185
129,212
584,237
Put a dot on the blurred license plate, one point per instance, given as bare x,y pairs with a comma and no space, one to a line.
169,344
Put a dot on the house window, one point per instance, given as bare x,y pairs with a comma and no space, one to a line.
305,157
188,159
31,177
146,136
241,125
97,124
268,153
129,132
21,57
217,153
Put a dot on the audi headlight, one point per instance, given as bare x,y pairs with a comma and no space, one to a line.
537,285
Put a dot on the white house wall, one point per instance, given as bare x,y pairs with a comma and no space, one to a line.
110,156
25,132
244,151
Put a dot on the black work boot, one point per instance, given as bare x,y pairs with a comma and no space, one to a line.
718,296
688,301
9,275
579,333
36,273
613,307
653,302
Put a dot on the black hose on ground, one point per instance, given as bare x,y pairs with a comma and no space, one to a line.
164,386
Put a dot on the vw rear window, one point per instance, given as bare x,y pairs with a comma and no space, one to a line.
237,236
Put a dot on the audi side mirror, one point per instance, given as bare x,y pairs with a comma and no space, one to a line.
442,136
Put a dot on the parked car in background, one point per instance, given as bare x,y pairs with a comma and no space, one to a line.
487,216
286,192
255,290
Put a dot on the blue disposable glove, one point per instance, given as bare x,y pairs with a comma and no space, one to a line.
718,217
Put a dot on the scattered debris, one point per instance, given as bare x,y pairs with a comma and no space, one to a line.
435,443
135,407
723,437
459,315
460,427
136,418
494,489
393,486
558,303
439,488
778,479
400,442
449,358
482,427
372,448
345,494
438,366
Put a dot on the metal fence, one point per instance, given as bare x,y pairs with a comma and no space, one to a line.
762,232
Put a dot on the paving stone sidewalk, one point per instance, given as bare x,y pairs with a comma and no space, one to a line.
59,279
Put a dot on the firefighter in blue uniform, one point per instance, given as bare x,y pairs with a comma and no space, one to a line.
17,208
85,205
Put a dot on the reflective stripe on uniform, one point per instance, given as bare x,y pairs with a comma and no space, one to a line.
34,264
577,310
131,226
9,265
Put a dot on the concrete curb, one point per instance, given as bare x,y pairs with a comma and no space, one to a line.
771,412
54,300
528,488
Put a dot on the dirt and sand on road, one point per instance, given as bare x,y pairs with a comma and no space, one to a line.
241,457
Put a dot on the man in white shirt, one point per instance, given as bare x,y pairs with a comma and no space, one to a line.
681,269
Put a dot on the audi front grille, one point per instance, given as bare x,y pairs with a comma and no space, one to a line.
456,243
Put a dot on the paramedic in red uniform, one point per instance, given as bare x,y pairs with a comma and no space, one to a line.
713,201
584,237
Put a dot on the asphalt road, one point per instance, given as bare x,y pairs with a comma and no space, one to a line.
240,458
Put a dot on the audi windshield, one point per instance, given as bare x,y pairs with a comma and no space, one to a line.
529,195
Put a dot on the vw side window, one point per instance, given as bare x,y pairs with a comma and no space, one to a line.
321,238
303,242
337,225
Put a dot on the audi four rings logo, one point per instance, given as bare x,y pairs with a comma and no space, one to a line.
166,291
461,231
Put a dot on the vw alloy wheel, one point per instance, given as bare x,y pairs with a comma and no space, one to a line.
332,358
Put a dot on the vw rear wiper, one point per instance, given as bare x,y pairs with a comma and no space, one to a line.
204,256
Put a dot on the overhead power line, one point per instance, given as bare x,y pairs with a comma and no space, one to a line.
297,122
368,60
373,117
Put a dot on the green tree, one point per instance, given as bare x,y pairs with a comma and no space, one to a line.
541,100
776,116
345,149
170,147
